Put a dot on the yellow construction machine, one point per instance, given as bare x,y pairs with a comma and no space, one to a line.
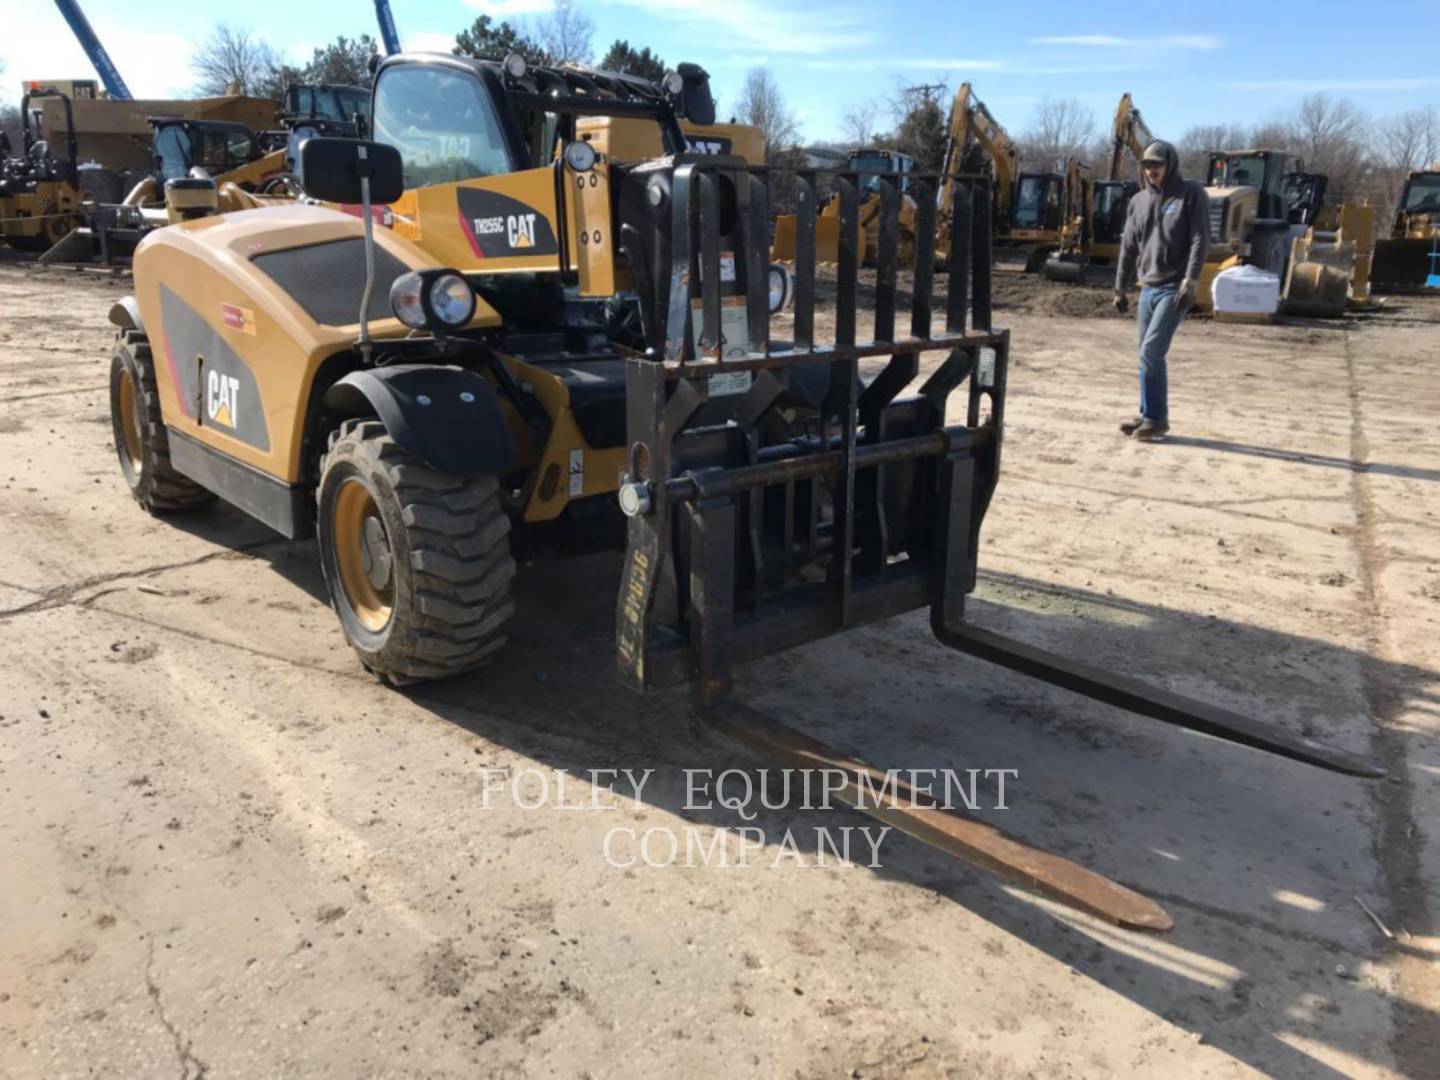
40,197
1266,211
1093,234
553,353
1409,258
1030,208
869,166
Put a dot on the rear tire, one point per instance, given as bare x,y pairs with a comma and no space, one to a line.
417,562
140,438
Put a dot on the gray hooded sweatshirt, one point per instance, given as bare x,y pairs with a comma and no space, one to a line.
1166,230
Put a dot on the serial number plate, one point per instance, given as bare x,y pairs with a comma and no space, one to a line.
731,382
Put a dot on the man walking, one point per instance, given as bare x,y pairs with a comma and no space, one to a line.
1167,233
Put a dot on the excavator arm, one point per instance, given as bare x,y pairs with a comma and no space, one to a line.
1128,132
971,123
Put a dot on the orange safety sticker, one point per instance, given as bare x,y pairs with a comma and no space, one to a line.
238,318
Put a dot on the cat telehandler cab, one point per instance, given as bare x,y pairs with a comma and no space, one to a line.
608,363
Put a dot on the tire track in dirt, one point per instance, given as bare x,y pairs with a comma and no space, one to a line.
1397,847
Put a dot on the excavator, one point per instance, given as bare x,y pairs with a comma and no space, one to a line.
1030,208
1409,258
1093,235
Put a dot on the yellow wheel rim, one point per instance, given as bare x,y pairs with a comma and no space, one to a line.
130,422
363,555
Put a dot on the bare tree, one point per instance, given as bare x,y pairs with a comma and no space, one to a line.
1059,128
1196,144
763,106
566,33
233,61
1331,135
860,122
1410,140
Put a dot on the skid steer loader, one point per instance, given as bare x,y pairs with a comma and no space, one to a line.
596,367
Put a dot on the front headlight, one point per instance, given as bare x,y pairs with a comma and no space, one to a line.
452,300
781,286
436,300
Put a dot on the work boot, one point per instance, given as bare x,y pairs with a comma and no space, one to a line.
1149,431
1129,426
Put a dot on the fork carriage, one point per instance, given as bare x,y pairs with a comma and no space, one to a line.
748,544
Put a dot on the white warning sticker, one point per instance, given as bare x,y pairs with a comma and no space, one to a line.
577,473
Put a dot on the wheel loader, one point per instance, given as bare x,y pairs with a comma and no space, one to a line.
1266,211
554,351
1409,258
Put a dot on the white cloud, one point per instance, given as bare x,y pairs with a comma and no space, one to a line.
765,25
1108,41
1320,86
153,64
508,9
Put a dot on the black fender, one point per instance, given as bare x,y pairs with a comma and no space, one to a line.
448,417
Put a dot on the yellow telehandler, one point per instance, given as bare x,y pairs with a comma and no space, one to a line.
559,352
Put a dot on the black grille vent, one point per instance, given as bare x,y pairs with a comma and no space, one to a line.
328,279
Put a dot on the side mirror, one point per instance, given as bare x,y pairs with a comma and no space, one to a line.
696,103
331,170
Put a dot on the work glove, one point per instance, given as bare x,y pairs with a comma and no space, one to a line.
1122,302
1188,288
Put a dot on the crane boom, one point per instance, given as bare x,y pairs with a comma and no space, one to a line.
104,66
389,36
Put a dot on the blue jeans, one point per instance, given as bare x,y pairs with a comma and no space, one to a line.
1159,314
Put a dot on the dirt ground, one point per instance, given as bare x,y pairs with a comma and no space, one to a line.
227,852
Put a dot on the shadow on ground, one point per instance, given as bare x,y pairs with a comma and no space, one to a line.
1260,826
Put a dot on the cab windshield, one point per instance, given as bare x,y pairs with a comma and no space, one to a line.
1037,202
443,123
872,164
180,147
339,103
1423,193
1245,170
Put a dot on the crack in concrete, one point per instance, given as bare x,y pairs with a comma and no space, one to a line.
62,595
55,393
191,1067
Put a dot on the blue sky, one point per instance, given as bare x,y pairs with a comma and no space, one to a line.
1186,63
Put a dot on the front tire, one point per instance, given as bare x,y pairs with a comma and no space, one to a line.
417,562
139,430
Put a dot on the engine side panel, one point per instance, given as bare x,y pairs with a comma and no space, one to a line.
236,353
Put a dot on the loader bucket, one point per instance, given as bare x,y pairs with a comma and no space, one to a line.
1317,281
827,240
1069,270
782,245
1406,265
